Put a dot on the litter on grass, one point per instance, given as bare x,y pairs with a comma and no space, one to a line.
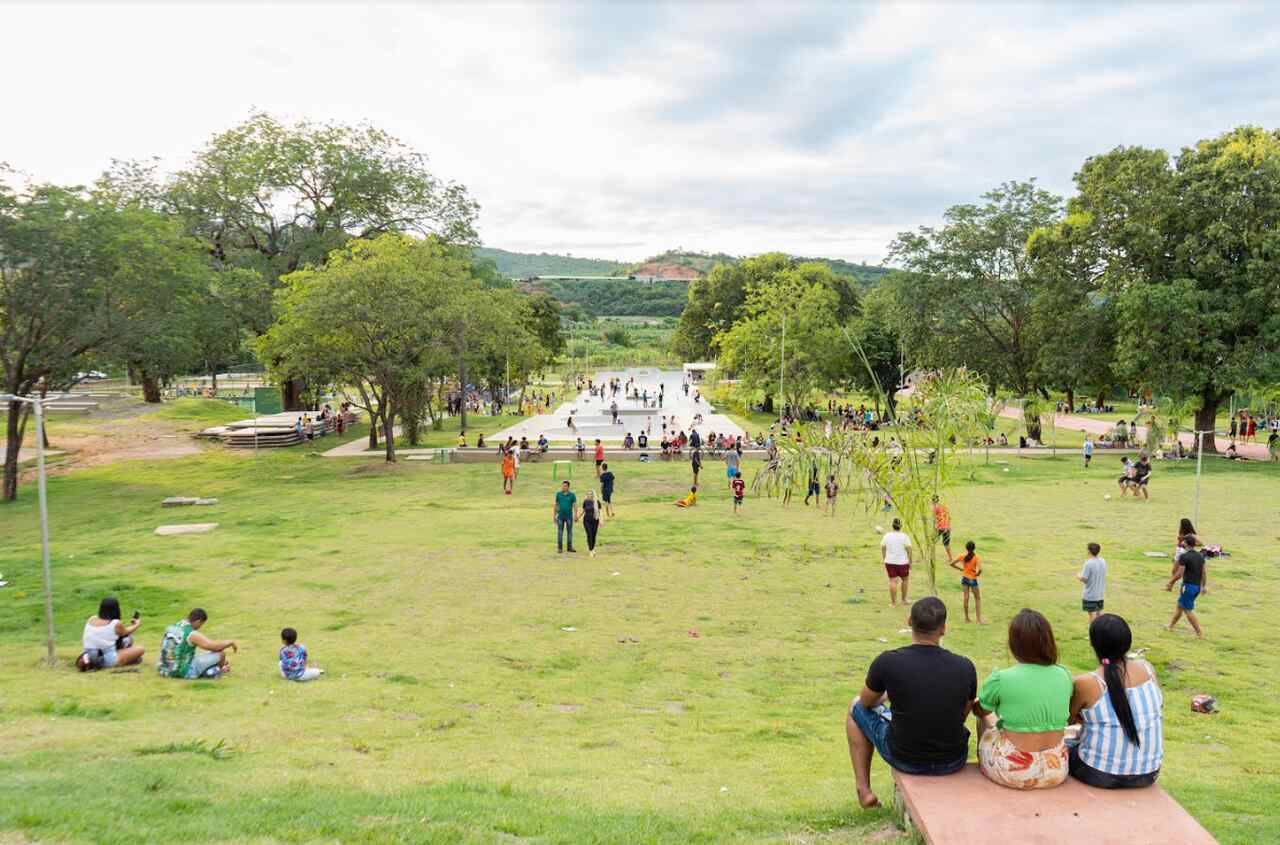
1155,554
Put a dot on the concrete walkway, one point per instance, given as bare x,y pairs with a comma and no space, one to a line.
1105,423
592,418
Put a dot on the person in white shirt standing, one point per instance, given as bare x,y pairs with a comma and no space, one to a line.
895,554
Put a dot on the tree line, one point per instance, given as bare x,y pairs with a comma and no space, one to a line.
163,274
1161,274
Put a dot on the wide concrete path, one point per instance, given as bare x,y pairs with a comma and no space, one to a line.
1105,423
592,418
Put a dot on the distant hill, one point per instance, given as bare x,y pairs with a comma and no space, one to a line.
522,265
868,274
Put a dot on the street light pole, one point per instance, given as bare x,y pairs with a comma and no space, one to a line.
782,373
38,406
1199,461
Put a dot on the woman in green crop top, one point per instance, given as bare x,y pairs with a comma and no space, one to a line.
1023,710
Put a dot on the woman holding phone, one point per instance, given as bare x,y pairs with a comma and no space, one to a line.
107,641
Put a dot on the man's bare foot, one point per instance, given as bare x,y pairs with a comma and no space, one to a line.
868,799
967,619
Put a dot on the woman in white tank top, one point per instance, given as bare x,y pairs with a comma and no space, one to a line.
107,641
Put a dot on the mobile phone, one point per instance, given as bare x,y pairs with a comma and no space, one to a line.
136,615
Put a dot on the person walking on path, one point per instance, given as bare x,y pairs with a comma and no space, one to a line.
1088,450
565,513
895,554
931,692
1195,583
1094,577
942,524
970,566
606,489
592,516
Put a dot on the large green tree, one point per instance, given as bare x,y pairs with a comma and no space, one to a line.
84,280
377,316
1191,254
965,294
718,300
802,306
275,197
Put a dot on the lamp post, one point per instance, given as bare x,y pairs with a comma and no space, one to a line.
1199,460
38,406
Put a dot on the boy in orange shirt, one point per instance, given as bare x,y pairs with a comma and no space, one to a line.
969,573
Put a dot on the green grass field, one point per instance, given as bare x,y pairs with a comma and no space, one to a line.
457,708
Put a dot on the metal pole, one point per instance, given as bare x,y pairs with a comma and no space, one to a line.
782,373
1199,461
44,528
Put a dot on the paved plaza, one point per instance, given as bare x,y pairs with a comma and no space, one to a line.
593,420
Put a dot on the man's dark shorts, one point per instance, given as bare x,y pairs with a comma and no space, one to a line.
1091,606
875,727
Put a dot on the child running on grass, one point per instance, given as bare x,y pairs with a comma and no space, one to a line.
942,524
833,489
293,659
969,572
739,490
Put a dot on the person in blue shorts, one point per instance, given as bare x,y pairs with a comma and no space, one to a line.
1195,583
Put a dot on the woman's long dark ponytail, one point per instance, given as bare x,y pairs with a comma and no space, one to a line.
1111,638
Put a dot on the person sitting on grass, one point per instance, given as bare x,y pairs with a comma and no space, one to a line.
970,566
1120,709
178,655
1022,711
108,642
931,692
480,444
689,500
293,659
462,439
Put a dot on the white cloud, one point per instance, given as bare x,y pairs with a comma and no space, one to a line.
620,129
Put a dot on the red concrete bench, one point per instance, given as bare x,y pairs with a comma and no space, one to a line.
966,808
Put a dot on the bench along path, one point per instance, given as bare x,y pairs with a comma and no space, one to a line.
966,808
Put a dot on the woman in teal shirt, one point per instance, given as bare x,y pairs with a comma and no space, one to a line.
1023,710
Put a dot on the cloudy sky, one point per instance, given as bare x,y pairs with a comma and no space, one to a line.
618,130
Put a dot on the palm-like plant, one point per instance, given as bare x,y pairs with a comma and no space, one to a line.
948,410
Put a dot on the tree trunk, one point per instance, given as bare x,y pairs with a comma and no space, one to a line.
292,393
388,436
213,377
767,405
1206,419
150,388
1071,400
14,429
1102,397
373,430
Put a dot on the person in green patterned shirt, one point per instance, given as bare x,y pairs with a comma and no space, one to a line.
179,657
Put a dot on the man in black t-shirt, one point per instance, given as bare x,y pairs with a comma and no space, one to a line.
1190,568
606,488
931,691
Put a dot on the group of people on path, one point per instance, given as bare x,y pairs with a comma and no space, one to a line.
915,703
185,651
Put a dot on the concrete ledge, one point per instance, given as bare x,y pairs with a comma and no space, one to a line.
965,808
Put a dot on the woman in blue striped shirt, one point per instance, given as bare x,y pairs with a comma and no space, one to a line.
1120,709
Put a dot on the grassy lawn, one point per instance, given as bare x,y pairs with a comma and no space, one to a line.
458,708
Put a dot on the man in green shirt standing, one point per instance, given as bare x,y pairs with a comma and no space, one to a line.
565,513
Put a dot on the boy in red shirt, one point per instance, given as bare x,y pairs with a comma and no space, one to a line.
739,489
599,456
